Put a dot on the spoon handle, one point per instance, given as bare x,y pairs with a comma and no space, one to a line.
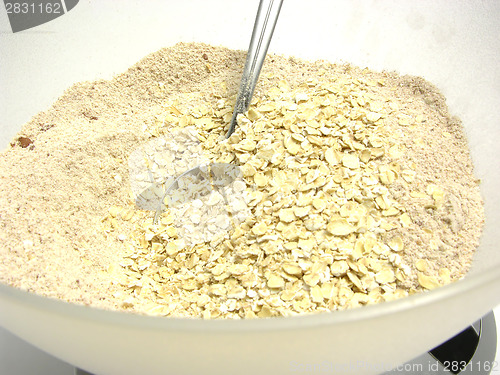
263,29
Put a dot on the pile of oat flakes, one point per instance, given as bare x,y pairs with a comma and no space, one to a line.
334,194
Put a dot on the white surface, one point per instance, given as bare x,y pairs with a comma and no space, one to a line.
17,357
455,45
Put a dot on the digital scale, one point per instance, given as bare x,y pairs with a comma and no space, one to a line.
472,351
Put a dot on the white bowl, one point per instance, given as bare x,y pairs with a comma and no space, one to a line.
455,45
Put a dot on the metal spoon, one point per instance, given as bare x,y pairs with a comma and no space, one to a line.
263,29
265,22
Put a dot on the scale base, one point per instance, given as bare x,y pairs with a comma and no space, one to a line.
470,352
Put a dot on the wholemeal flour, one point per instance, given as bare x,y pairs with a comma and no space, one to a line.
69,228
